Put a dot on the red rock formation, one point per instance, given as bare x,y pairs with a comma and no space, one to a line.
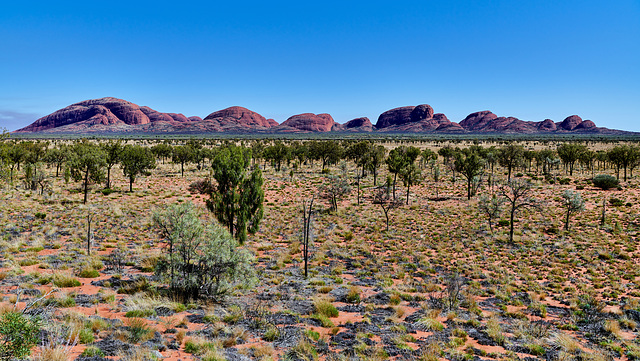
547,125
239,116
478,120
585,125
570,122
310,122
404,115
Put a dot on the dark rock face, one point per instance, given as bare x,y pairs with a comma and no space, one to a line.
421,112
547,125
394,116
356,125
477,120
239,116
310,122
571,122
585,125
358,122
420,118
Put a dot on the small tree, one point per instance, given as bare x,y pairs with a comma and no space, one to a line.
410,175
510,156
518,195
86,164
387,202
570,153
113,151
573,202
136,160
491,207
471,166
182,155
334,189
237,197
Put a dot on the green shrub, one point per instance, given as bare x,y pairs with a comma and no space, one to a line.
503,223
325,308
86,336
140,313
271,334
605,181
616,202
18,334
88,273
62,281
92,351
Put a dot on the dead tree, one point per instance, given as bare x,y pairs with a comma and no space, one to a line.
306,233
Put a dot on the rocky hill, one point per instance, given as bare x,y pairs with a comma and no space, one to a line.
113,115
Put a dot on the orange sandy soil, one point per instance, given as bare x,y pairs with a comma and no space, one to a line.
427,242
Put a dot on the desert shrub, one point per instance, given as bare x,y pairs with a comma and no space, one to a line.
503,223
616,202
138,330
354,295
202,260
564,181
325,308
303,350
271,334
140,313
92,351
62,281
18,334
605,181
88,272
107,191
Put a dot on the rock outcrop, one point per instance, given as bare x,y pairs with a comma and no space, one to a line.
547,125
310,122
240,117
359,125
113,115
419,118
105,111
570,122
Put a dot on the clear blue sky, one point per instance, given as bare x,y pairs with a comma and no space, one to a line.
532,60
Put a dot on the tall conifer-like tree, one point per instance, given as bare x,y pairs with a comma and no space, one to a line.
237,197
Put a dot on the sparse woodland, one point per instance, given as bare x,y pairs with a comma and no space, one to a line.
417,250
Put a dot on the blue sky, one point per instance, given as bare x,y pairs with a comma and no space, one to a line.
532,60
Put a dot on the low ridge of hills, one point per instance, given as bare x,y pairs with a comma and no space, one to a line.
113,115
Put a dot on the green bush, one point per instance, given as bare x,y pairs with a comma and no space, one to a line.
207,261
92,351
18,334
605,181
616,202
88,273
62,281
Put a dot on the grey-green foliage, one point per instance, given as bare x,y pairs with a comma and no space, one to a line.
333,189
605,181
573,202
203,260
